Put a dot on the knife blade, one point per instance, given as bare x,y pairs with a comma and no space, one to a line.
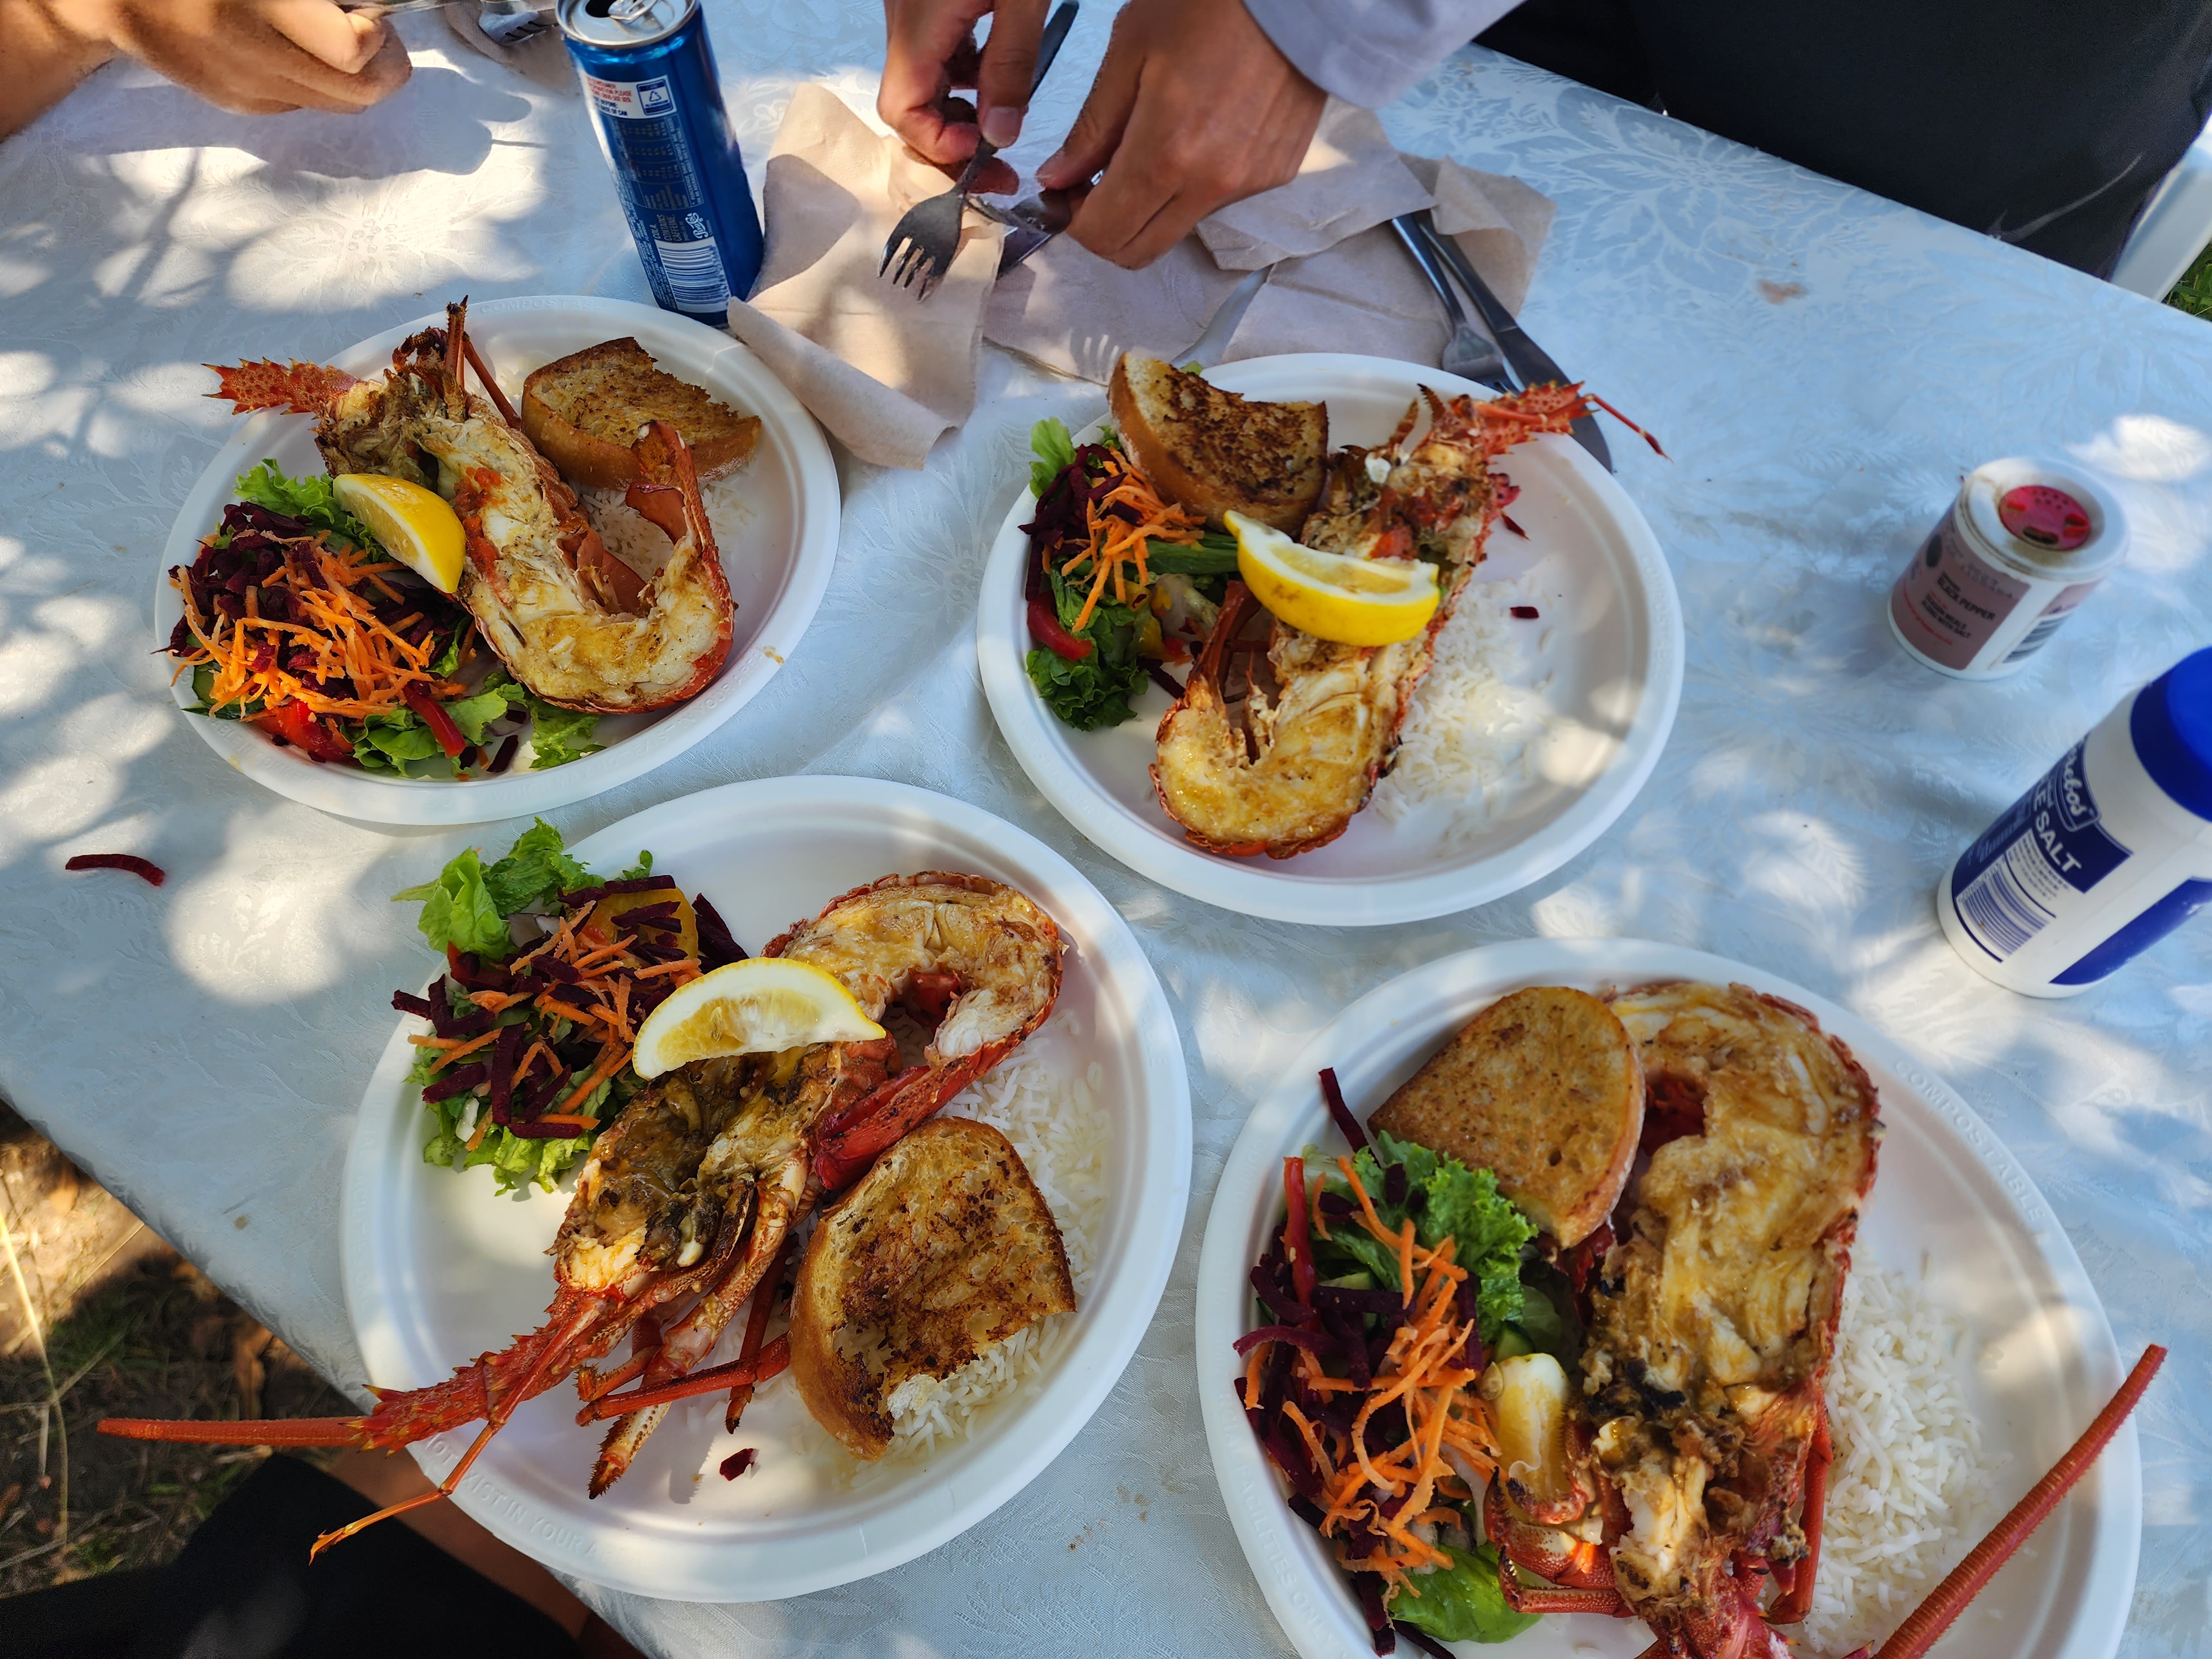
1205,350
1031,223
1529,362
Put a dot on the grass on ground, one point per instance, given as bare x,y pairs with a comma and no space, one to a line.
2193,293
154,1338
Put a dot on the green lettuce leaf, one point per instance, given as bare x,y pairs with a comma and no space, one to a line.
1461,1602
639,871
557,736
1446,1199
473,714
1097,690
310,500
458,910
535,872
1055,451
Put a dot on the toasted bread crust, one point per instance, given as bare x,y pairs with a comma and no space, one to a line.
584,412
1212,452
943,1250
1544,1088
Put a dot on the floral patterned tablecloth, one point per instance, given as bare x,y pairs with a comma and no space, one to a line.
1823,366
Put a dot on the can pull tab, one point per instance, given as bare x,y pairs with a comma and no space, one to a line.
2047,517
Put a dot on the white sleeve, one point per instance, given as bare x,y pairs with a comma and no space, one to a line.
1368,51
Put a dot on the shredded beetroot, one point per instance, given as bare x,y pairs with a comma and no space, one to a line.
505,758
636,884
1525,612
1339,1114
1296,1335
737,1463
1167,682
145,869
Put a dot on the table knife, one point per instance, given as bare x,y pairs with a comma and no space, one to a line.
1031,223
1529,362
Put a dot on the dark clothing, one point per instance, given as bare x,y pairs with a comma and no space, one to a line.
243,1589
2046,125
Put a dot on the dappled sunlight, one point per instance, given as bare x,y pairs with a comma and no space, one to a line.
2147,456
1806,862
2149,448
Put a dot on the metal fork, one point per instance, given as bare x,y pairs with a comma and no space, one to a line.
509,22
927,234
1469,354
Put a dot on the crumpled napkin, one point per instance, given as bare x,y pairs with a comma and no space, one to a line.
1342,282
886,373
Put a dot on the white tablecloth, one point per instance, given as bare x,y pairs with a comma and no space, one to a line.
1821,365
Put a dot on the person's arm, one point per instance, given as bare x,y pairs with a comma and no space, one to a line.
41,61
255,57
1370,52
1194,108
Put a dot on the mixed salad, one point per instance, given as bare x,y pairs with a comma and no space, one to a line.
1119,582
548,972
296,622
1399,1276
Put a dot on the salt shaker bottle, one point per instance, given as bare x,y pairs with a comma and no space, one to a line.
2109,852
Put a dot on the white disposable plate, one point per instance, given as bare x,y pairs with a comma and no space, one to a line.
438,1268
1611,651
1948,1199
778,569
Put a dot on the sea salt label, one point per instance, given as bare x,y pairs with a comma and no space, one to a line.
2109,852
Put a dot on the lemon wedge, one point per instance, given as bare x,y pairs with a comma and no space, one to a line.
759,1006
1333,596
415,525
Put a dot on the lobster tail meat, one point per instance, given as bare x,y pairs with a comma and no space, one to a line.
980,958
568,619
1713,1321
1292,772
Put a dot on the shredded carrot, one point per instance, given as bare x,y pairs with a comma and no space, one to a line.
522,1069
343,637
612,1059
1384,1494
1322,1461
1119,546
468,1047
565,1120
1252,1375
484,1129
680,965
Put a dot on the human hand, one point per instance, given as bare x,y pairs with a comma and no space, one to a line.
930,54
255,57
1194,108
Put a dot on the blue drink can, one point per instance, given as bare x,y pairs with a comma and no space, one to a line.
648,75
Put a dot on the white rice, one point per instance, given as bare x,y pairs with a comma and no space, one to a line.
1909,1493
1476,719
638,542
1058,1124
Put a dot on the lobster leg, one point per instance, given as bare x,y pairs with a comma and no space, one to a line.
401,1417
855,1137
1547,1598
548,1369
764,1296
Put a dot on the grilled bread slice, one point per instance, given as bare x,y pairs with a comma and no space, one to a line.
943,1250
584,412
1544,1088
1212,452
